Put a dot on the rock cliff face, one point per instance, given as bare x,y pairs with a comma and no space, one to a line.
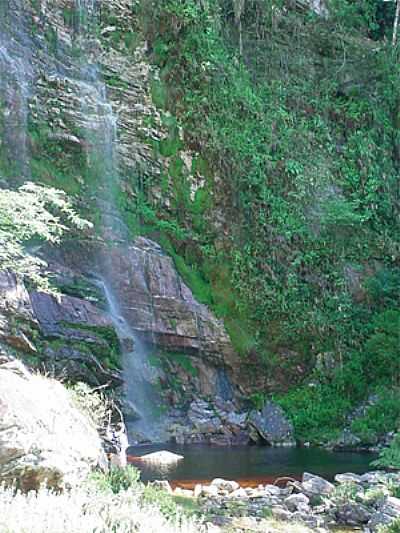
75,338
197,367
66,106
77,91
162,309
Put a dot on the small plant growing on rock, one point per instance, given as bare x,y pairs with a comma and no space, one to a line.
374,496
390,457
344,493
92,403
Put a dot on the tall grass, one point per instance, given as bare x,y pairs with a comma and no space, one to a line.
87,509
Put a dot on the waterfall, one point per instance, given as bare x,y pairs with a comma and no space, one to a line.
142,401
143,405
16,75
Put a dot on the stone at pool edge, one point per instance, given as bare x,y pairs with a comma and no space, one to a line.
161,458
272,425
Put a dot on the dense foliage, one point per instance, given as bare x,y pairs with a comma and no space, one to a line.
297,115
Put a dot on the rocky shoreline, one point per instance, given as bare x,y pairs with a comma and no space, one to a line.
355,502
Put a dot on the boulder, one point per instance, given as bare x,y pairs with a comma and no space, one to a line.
347,478
225,485
272,425
280,513
273,490
373,478
391,506
44,438
297,502
315,485
240,493
209,491
16,314
160,458
378,520
352,514
346,440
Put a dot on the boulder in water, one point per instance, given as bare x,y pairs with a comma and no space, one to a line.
161,458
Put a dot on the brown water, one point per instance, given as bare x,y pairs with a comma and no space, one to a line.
249,465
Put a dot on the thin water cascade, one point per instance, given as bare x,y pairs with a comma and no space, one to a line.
143,408
15,90
143,405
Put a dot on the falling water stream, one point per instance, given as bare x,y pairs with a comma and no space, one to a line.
15,89
143,407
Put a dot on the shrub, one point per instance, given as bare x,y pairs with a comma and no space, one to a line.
91,403
390,457
394,527
117,479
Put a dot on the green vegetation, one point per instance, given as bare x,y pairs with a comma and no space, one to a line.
108,349
117,479
278,197
27,216
393,528
115,502
390,457
297,115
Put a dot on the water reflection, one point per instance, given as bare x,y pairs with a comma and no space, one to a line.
249,464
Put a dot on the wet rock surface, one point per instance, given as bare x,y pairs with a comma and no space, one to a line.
160,306
68,336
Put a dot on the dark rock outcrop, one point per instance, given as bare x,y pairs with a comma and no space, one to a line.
67,336
271,425
64,316
79,339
